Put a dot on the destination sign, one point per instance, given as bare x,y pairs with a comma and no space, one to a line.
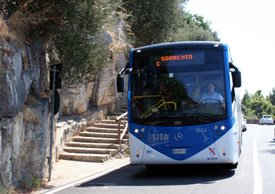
191,58
176,57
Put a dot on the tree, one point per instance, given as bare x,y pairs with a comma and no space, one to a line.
194,27
271,97
164,21
245,103
74,27
153,21
257,105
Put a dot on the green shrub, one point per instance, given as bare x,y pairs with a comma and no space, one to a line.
29,183
73,26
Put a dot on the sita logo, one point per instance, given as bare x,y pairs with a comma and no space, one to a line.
160,137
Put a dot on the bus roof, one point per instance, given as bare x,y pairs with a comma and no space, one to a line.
185,44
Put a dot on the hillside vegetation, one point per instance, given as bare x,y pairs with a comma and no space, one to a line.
74,27
255,105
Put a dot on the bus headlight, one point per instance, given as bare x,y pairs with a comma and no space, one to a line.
139,132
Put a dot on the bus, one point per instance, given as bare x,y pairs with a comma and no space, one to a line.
169,123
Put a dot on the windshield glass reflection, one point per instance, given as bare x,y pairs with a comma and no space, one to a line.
176,92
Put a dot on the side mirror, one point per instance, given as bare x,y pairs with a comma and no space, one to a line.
236,75
237,79
120,83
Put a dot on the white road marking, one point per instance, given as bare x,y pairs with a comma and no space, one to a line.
258,185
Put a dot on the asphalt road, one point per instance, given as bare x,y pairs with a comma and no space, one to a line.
255,174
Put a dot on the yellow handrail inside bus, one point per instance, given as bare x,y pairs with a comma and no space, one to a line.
148,96
158,105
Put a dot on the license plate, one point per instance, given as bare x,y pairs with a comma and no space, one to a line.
179,151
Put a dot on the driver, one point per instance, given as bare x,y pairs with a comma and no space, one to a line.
211,96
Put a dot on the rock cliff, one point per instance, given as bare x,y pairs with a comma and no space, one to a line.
25,105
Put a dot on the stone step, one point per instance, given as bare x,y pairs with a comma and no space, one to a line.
114,118
112,121
97,134
106,125
92,145
97,143
84,157
94,139
102,130
89,150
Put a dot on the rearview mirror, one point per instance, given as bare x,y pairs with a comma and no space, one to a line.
237,79
236,75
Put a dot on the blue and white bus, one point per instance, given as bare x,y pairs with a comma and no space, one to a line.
169,123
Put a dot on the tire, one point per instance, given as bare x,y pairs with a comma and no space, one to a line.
151,167
232,166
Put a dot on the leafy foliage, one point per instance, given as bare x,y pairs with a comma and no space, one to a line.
194,27
256,105
153,21
163,21
7,7
76,27
271,97
77,41
29,183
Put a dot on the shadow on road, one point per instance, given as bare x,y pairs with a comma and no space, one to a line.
162,175
269,150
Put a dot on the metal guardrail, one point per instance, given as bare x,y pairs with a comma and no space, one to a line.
119,124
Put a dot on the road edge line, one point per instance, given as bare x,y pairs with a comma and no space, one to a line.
89,178
257,185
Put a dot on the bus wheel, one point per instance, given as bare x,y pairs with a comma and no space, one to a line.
152,167
233,166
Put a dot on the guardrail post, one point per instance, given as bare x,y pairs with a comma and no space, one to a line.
119,136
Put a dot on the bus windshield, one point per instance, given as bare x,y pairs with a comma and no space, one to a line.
177,87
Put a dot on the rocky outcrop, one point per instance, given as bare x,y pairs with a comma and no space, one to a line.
101,91
24,111
25,106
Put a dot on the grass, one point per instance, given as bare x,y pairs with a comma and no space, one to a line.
28,184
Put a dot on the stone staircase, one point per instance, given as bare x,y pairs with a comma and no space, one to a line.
97,143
